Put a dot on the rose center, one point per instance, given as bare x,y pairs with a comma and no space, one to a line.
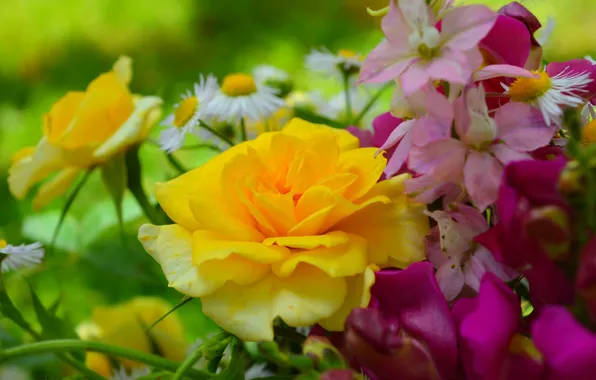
528,89
185,110
238,85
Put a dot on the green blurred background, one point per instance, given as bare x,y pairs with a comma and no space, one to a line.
50,47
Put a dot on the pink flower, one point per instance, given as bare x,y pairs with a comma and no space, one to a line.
425,189
431,118
460,261
485,145
417,52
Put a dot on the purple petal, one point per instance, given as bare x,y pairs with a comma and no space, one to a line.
383,125
576,66
519,12
364,135
507,42
586,276
422,310
569,349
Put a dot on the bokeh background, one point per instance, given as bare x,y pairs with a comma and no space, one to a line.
50,47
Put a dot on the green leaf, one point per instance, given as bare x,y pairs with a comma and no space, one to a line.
235,369
52,326
183,301
318,119
8,310
114,176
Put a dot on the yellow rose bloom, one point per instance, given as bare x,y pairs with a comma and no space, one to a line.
81,130
291,225
125,325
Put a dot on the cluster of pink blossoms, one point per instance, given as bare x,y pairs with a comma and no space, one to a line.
478,119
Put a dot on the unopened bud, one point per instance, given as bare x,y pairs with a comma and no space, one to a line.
325,355
570,181
549,226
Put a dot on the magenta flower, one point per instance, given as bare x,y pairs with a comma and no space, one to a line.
533,228
417,52
407,332
568,348
488,327
585,281
460,261
518,12
485,145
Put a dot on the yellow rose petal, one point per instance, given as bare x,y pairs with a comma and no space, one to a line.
358,295
302,128
58,120
55,187
368,169
300,300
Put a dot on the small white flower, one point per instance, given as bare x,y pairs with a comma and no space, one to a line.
550,94
547,31
187,114
240,97
257,371
134,374
589,58
335,65
22,256
336,107
265,73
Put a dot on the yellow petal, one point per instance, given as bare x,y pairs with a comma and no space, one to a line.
106,106
329,240
395,232
28,171
358,295
62,113
339,260
208,246
300,300
22,154
123,69
99,363
367,168
301,128
131,130
171,247
55,187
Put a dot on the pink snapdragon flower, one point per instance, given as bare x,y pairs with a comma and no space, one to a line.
485,145
417,52
452,250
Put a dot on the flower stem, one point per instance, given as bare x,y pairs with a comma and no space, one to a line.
175,163
217,134
68,205
133,166
188,363
348,100
65,345
243,129
371,102
184,301
289,334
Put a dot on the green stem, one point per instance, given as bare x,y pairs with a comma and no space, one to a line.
81,367
133,166
203,145
214,363
65,345
371,102
243,129
68,205
188,363
217,134
175,163
183,302
348,100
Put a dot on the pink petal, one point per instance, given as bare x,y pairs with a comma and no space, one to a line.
383,64
465,26
576,66
452,66
394,27
450,278
473,273
522,127
482,176
443,159
470,217
487,260
414,77
461,116
425,189
402,151
506,155
495,71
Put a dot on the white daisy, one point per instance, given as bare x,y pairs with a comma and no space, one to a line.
266,73
336,107
589,58
22,256
550,95
240,97
134,374
325,62
547,31
187,114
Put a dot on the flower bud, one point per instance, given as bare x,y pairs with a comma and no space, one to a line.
325,355
570,181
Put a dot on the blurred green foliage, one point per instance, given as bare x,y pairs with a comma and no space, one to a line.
50,47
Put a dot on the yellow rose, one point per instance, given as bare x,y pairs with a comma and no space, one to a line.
292,224
125,325
81,130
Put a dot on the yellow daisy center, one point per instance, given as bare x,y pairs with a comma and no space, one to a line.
3,243
238,85
347,54
527,89
590,132
185,110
